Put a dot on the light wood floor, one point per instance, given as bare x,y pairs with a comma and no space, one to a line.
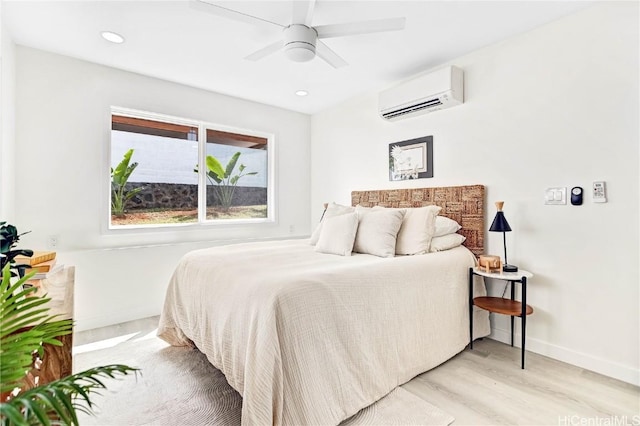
487,387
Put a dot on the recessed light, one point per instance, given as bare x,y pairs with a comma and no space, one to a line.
112,37
302,93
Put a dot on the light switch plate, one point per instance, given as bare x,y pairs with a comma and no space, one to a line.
556,195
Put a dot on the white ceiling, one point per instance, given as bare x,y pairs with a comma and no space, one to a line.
172,41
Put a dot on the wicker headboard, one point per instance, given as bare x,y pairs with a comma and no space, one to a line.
464,204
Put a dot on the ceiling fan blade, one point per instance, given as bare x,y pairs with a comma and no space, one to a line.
329,55
210,7
362,27
303,12
265,51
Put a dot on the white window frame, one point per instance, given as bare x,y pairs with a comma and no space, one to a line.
202,194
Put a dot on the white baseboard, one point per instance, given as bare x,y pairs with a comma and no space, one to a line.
579,359
116,317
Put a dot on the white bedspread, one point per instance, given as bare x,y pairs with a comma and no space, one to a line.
310,338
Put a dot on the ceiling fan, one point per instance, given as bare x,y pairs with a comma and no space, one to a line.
301,42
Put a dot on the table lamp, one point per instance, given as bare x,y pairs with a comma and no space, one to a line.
500,224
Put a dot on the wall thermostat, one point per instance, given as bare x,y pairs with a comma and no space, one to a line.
576,195
599,192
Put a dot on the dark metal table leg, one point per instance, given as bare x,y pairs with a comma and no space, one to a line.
524,314
513,297
470,308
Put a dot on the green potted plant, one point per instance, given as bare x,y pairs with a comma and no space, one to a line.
25,327
9,237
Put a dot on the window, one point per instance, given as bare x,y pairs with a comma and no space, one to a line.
242,193
170,171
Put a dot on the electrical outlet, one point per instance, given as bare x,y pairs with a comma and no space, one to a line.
53,241
292,229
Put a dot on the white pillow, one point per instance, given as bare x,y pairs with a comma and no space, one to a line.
445,226
446,242
377,231
361,209
338,234
333,210
418,226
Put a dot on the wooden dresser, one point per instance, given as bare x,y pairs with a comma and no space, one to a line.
58,360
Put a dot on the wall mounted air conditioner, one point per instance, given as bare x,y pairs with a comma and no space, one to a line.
437,90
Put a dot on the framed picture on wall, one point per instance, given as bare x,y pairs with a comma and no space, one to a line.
411,159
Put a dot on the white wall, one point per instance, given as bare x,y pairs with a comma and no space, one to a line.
62,132
557,106
7,122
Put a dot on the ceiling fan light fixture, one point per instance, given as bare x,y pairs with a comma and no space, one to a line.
300,42
300,52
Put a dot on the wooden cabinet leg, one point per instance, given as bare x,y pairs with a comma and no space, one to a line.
57,361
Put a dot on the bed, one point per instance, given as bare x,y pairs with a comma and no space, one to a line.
312,338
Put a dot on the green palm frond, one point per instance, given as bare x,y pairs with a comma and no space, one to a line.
25,326
60,399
